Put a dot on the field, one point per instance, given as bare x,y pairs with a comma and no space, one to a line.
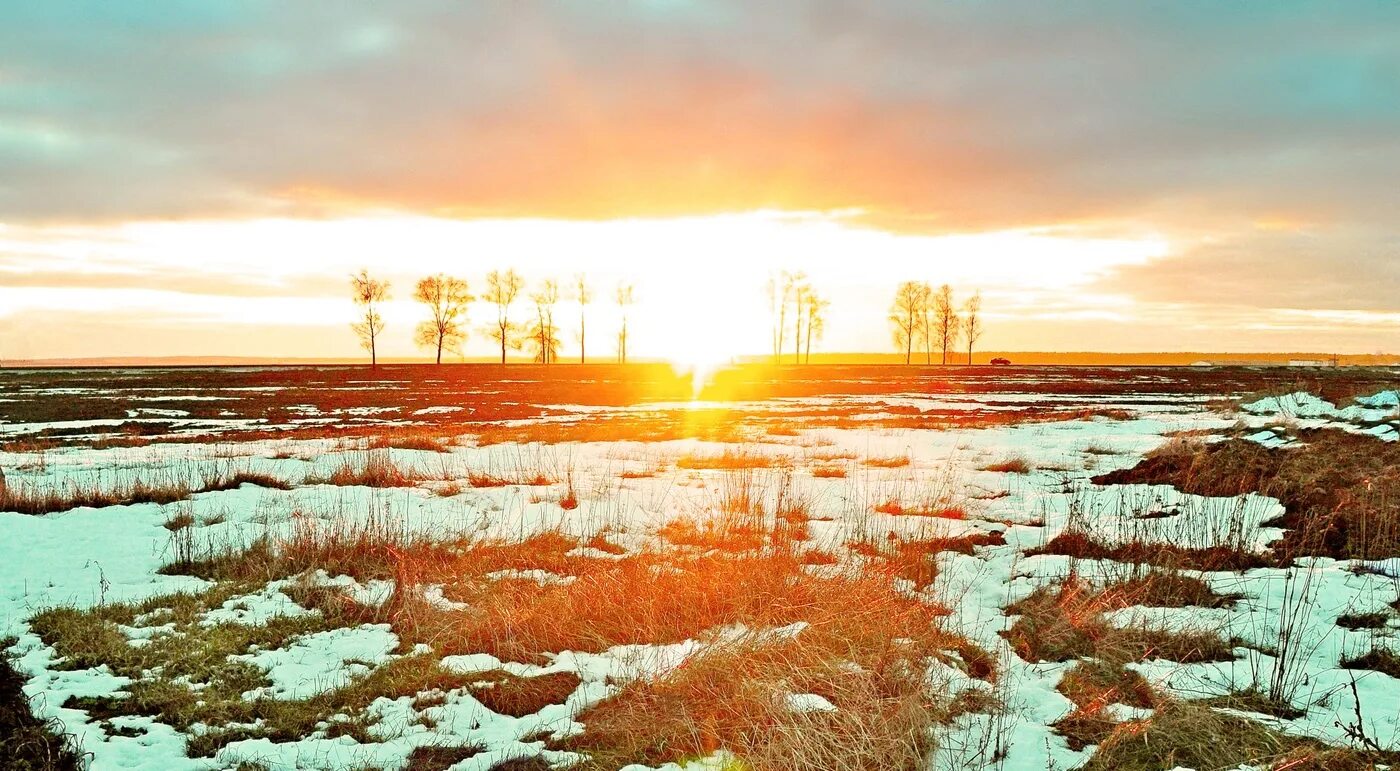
826,567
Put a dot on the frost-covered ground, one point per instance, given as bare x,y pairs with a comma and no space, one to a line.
94,557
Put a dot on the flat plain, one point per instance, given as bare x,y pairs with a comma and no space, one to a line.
604,567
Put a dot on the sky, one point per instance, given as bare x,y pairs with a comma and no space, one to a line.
192,178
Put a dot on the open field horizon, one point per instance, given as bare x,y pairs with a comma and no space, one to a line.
981,358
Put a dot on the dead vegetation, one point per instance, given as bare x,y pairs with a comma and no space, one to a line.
1341,491
160,487
26,742
1183,734
1012,464
1067,621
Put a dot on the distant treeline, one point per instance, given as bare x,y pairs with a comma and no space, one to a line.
921,318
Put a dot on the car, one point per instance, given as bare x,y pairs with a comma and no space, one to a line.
1000,362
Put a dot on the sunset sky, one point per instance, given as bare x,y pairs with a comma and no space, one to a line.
192,178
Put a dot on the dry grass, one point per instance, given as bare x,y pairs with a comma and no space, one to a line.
1012,464
601,543
1076,543
898,509
887,461
723,534
1067,622
185,677
27,743
733,696
485,479
374,468
439,758
1341,491
507,694
1182,734
1379,659
913,559
656,599
423,442
729,460
829,472
165,487
1093,686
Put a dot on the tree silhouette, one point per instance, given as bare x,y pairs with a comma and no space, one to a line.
798,290
945,317
777,305
905,315
925,324
368,293
814,307
624,298
972,322
584,295
447,300
542,332
501,291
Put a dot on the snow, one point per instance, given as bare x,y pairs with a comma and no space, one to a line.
1376,415
86,557
322,661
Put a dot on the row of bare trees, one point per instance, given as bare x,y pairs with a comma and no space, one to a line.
928,318
447,301
921,317
791,296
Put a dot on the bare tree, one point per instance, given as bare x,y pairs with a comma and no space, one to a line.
542,333
945,317
925,324
905,314
447,299
624,301
796,290
814,307
501,291
972,322
368,293
584,295
777,306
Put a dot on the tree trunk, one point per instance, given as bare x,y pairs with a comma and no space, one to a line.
809,341
582,340
439,351
797,339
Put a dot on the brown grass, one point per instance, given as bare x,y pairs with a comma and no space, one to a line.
1014,464
423,442
729,460
1075,543
1341,491
1067,622
374,468
168,487
507,694
1195,736
1378,658
888,461
654,599
27,743
732,696
913,559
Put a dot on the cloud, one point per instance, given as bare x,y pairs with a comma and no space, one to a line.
1259,140
945,117
1312,269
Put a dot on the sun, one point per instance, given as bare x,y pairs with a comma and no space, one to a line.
701,363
